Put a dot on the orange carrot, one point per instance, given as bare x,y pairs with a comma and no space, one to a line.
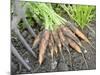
58,42
67,32
64,43
74,45
56,39
43,45
36,41
78,32
51,48
51,44
81,35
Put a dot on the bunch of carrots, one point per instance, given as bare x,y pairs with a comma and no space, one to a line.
57,33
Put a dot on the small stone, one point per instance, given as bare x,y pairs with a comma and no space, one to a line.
85,51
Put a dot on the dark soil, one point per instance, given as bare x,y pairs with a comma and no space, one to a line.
57,64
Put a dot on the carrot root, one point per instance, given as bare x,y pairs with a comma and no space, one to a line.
43,45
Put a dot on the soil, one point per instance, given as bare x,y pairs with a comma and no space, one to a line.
58,64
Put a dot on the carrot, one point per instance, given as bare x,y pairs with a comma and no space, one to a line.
52,39
78,32
63,40
58,42
51,44
74,45
65,44
61,36
55,49
36,41
56,39
81,35
43,45
67,32
51,48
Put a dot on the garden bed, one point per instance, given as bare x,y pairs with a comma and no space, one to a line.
59,64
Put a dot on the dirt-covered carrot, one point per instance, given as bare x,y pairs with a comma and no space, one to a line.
36,41
58,42
78,32
65,44
51,48
55,49
63,39
56,39
43,45
51,45
74,45
61,35
67,32
81,35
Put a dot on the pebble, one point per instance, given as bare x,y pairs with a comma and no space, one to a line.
85,51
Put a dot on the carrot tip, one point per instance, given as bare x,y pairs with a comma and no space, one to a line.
80,51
